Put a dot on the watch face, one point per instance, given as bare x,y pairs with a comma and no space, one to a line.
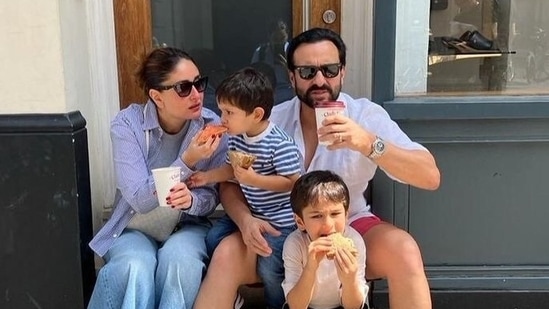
380,147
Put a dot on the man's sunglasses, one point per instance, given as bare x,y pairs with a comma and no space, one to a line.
184,88
328,70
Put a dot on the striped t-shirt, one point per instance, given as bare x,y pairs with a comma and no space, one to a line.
276,154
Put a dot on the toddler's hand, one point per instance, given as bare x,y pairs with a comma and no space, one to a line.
244,176
197,179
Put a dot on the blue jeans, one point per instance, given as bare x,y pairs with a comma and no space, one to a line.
141,273
270,269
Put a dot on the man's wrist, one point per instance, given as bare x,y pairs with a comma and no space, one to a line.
377,148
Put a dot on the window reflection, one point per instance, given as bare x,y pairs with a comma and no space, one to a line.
476,47
226,35
270,59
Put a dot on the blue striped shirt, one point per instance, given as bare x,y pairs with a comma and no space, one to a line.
134,181
276,154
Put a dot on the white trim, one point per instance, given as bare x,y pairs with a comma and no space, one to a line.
105,103
412,41
357,32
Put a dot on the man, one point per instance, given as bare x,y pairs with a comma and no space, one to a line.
361,141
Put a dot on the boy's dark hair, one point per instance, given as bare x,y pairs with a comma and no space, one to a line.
317,187
315,35
247,89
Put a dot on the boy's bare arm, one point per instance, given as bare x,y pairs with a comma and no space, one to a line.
352,295
301,294
217,175
221,174
275,183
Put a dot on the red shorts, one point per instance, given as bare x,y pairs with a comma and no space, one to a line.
364,224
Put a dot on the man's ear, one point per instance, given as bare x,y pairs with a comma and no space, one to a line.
258,113
299,222
156,97
291,75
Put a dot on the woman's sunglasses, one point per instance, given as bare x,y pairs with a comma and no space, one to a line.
328,70
184,88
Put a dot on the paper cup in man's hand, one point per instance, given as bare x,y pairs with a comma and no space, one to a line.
325,109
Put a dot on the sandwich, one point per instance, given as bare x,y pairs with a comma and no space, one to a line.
242,159
341,242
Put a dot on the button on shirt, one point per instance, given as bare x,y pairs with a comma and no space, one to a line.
355,168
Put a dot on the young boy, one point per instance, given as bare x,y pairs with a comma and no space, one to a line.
320,201
245,99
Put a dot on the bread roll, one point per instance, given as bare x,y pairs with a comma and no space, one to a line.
242,159
340,241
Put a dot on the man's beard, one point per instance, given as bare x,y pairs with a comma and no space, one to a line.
306,97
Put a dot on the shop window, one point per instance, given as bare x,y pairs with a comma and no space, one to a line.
472,47
225,36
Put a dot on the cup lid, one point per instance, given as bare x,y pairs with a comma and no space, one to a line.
329,104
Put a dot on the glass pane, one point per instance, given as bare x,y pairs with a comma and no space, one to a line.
472,47
226,35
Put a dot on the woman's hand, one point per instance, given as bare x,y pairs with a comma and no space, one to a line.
180,197
200,151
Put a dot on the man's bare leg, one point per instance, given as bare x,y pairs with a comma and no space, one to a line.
231,266
393,254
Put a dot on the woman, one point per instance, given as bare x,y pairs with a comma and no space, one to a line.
163,271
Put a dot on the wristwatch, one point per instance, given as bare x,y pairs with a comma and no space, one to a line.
378,148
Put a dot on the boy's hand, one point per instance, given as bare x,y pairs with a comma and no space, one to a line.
197,179
317,251
346,266
243,175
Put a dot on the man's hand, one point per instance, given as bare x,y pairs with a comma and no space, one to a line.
342,132
252,235
416,167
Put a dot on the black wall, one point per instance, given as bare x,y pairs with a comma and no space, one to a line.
45,212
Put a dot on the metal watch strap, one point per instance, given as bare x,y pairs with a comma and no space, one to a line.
376,153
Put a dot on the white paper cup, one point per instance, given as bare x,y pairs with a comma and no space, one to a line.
325,109
165,178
